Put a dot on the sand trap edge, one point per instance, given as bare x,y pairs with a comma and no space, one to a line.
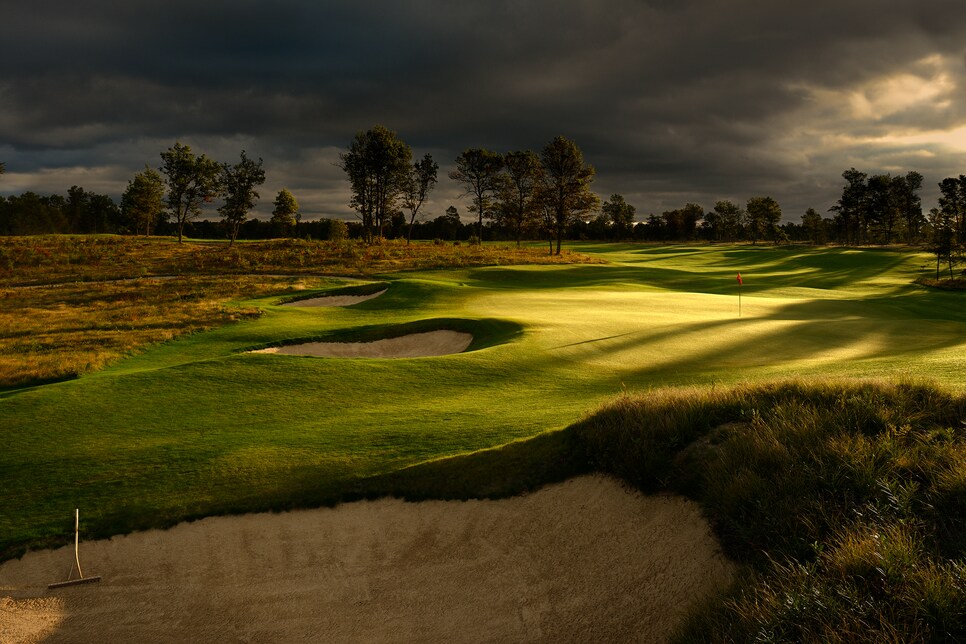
414,345
332,300
619,566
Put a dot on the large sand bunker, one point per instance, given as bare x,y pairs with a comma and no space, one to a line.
585,560
333,300
415,345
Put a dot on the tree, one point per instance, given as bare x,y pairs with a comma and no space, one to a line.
731,219
142,203
654,229
517,193
712,226
239,183
851,208
944,245
448,224
377,166
892,205
565,188
76,210
192,181
338,231
422,179
814,226
480,171
88,212
283,215
952,204
764,213
909,204
620,215
682,224
32,214
102,214
948,223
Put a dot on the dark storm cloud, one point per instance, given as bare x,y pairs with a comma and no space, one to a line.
671,101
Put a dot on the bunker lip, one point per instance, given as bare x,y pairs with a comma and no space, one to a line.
415,345
333,300
583,560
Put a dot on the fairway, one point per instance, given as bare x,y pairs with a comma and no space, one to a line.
200,426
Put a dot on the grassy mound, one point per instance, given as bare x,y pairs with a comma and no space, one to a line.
847,502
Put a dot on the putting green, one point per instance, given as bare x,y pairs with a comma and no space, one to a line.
199,426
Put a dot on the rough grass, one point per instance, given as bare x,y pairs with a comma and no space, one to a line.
61,331
847,501
61,258
98,302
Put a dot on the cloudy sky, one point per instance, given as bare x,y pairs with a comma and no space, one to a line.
671,101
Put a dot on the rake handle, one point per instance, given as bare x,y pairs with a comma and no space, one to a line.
77,541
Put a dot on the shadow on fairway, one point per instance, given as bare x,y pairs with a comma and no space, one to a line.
713,269
841,331
713,282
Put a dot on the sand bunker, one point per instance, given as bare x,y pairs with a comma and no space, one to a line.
585,560
415,345
334,300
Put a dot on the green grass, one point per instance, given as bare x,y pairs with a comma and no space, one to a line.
196,426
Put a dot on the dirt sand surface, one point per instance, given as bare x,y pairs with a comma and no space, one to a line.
581,561
415,345
334,300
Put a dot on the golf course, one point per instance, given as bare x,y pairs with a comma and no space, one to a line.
209,423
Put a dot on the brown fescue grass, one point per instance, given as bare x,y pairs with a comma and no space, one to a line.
60,258
58,332
71,305
845,500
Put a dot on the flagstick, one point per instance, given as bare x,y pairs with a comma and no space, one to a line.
738,277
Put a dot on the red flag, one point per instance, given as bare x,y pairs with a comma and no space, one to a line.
739,280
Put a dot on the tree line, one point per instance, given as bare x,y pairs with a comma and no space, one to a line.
514,195
519,191
886,209
155,200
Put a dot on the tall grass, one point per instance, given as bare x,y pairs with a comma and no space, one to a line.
98,304
61,331
847,501
60,258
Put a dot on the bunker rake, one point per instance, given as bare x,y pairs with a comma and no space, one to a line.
81,578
